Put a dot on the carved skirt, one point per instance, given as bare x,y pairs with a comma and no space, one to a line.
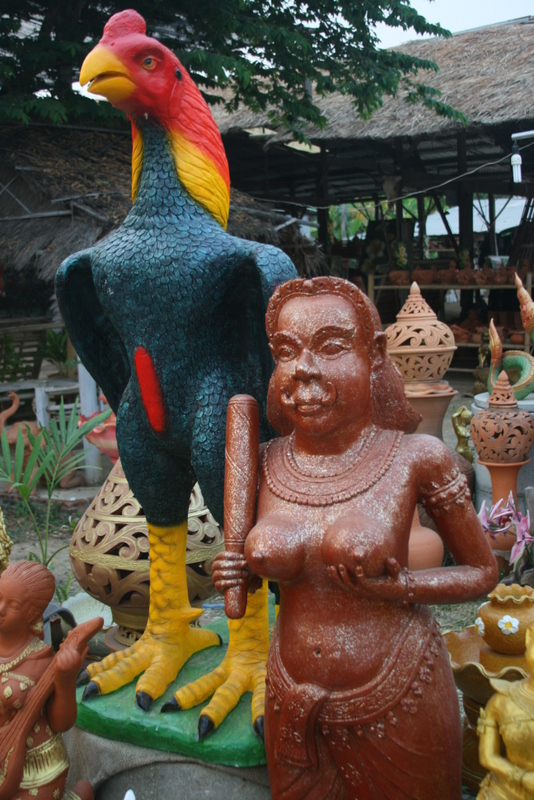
398,737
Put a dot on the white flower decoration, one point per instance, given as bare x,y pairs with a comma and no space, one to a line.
479,625
508,625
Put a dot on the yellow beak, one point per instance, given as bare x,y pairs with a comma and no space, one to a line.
108,75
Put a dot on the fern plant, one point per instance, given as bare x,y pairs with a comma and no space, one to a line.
52,457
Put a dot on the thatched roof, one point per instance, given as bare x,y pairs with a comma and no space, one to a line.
66,187
487,73
62,188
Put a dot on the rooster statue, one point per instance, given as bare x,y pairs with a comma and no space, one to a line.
167,313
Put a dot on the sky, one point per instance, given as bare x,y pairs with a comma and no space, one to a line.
459,15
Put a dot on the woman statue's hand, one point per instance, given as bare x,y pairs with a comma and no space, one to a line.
230,570
397,584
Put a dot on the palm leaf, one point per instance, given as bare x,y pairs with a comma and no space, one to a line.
6,456
62,421
33,481
19,457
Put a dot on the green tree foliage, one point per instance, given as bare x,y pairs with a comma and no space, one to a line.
267,53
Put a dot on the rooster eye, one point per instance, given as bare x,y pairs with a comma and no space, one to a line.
178,73
149,63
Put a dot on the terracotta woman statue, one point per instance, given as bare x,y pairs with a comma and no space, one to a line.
37,691
361,702
509,717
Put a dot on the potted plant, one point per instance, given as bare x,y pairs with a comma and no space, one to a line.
53,456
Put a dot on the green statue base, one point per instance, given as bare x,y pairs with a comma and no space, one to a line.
116,716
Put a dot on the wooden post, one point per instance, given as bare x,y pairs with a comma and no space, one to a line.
465,197
492,232
323,217
88,405
399,215
421,218
445,221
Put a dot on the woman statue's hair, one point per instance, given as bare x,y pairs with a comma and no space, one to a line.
390,409
37,585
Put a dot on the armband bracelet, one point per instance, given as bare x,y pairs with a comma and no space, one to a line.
409,583
439,500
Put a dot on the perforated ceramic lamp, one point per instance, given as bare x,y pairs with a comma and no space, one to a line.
502,435
422,348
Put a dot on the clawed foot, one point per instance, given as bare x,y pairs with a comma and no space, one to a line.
242,670
159,658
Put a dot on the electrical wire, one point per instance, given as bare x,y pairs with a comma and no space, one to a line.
371,205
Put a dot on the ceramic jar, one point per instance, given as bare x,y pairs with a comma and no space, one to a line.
502,433
109,554
504,619
421,346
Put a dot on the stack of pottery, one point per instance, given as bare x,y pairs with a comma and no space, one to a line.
492,648
422,348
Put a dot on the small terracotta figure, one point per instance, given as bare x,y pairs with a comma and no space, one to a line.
360,699
37,689
509,716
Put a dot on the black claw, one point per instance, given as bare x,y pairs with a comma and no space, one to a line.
143,700
205,726
83,677
171,705
220,640
259,727
91,690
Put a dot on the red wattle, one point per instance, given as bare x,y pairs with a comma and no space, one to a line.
151,393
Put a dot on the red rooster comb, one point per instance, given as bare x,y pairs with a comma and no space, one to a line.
123,23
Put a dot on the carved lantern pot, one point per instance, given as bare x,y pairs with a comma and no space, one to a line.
502,435
422,348
110,559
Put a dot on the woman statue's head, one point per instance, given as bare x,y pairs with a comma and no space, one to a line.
388,405
34,585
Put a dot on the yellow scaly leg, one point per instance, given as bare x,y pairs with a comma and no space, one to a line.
169,640
242,670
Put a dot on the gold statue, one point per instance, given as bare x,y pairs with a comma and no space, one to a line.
509,719
461,420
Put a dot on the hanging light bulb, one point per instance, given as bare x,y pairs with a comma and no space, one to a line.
516,164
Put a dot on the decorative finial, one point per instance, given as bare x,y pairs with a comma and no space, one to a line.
502,395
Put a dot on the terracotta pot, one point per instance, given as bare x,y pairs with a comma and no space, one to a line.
517,337
433,409
425,548
420,345
399,277
502,433
504,619
503,479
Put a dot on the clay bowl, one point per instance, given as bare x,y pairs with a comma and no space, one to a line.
465,276
517,337
446,276
460,334
423,276
399,277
